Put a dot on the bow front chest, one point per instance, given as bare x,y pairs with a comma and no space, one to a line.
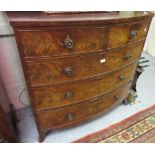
77,64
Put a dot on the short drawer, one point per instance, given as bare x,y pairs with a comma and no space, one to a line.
121,35
70,93
65,69
60,117
61,41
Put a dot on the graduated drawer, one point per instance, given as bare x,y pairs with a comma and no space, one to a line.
61,41
70,93
124,34
60,117
59,70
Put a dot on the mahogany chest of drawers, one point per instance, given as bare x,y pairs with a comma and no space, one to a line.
79,64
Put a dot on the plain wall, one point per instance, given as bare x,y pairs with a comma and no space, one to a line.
150,41
10,66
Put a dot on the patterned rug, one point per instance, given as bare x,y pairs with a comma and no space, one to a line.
139,128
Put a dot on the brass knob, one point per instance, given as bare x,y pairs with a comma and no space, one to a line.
68,71
69,95
128,57
134,34
122,78
69,116
68,42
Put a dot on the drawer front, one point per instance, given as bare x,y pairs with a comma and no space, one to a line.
58,70
70,93
44,43
60,117
121,35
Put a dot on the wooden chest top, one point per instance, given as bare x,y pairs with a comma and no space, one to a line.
40,18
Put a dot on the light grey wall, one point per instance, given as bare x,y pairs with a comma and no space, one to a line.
150,41
10,66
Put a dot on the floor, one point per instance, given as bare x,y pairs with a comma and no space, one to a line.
146,97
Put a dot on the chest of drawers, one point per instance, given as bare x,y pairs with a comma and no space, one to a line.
77,65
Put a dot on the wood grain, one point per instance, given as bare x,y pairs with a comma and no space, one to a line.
85,40
120,35
59,101
54,96
50,71
58,117
97,18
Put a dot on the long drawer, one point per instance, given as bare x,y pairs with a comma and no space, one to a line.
71,68
70,93
124,34
60,117
61,41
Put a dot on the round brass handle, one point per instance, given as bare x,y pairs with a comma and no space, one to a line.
134,34
69,95
122,78
69,42
128,57
68,71
69,116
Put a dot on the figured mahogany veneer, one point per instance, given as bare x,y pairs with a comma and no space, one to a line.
51,71
79,112
77,65
54,96
127,33
84,40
